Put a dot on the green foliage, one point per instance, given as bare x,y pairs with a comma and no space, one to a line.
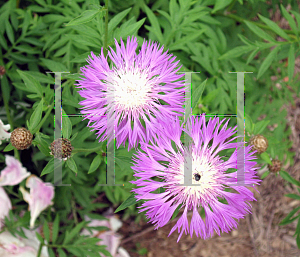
211,38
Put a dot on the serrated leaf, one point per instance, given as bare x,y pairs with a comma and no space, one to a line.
95,164
8,148
36,116
259,32
220,4
53,65
31,83
155,24
260,126
267,62
196,94
72,165
66,125
86,16
294,196
236,52
131,200
55,228
291,62
266,158
286,176
273,26
48,168
74,232
265,174
287,219
9,32
46,231
113,23
290,19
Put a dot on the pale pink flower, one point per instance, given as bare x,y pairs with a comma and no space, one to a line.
11,246
40,196
4,135
14,173
109,238
5,205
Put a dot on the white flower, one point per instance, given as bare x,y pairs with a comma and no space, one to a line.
3,131
11,246
39,198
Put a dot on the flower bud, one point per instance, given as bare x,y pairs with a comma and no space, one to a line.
61,148
259,143
275,167
21,138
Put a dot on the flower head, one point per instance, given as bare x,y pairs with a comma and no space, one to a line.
3,131
129,93
21,138
209,175
39,198
14,173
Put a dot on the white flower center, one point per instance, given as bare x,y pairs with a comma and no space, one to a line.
129,89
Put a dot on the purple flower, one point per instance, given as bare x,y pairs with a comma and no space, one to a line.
163,160
134,85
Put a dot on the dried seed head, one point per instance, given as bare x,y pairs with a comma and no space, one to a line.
61,148
275,167
21,138
2,70
259,143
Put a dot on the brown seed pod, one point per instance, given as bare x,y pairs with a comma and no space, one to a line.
2,70
21,138
61,148
259,143
275,167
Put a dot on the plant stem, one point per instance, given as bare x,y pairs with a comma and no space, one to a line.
106,29
40,250
76,150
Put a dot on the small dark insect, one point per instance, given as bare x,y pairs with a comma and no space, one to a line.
197,177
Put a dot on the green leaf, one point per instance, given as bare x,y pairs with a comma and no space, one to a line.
289,178
236,52
26,22
61,252
260,126
252,55
95,164
265,174
42,144
8,148
249,126
48,168
46,231
196,94
3,42
259,32
55,228
9,32
176,211
131,200
220,4
294,196
290,19
155,25
273,26
267,62
31,83
291,62
66,125
74,232
266,158
36,116
288,219
86,16
72,165
117,19
53,65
